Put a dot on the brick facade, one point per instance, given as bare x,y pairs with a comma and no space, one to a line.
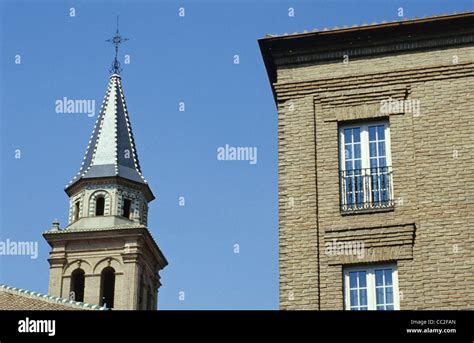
324,80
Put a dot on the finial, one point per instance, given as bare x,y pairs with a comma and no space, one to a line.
55,226
116,40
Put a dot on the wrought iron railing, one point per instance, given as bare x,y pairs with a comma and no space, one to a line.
365,189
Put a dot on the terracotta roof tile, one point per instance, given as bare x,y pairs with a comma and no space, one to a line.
12,298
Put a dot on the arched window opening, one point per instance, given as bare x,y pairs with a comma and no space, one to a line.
99,206
77,284
107,287
75,215
127,204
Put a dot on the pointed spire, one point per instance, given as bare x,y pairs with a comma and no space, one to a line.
111,151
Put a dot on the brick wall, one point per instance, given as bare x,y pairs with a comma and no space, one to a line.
429,233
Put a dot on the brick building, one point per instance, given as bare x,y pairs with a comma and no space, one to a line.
376,172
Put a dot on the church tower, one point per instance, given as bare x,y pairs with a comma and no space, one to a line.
106,254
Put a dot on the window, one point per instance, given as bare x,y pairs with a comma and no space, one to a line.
99,206
371,288
127,203
365,171
75,215
77,284
107,287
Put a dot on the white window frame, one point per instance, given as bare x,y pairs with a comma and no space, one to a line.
365,154
370,281
364,143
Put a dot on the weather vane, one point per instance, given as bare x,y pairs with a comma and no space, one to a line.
116,40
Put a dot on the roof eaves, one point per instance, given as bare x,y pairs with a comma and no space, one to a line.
365,26
111,228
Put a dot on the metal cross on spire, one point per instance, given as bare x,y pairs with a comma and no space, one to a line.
116,40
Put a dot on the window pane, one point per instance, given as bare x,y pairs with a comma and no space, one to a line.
357,150
381,132
390,307
353,279
363,297
373,149
354,300
381,148
388,277
380,308
356,133
348,135
348,152
389,295
348,165
372,133
357,164
379,277
349,182
362,279
379,295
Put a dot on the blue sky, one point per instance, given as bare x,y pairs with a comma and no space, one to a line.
173,59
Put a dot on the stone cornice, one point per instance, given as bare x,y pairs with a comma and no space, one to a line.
291,90
141,232
383,243
396,38
311,56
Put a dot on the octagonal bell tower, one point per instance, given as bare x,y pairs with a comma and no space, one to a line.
106,254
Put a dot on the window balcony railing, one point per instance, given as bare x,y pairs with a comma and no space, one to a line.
366,189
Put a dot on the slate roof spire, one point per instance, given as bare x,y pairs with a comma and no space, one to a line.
111,151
